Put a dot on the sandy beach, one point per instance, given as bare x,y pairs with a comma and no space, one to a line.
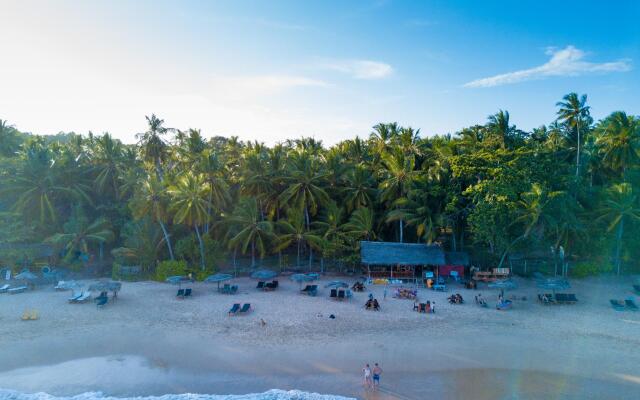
150,343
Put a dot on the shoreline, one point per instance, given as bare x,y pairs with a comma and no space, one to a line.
462,351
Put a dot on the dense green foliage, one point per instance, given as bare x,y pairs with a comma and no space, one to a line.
567,187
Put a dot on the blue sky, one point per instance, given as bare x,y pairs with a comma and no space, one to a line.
273,70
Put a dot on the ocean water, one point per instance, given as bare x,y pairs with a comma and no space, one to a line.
269,395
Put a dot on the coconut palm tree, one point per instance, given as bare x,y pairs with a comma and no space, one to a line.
251,230
575,114
619,206
107,160
304,189
619,141
415,210
399,176
189,204
79,234
151,200
153,145
361,225
294,230
359,188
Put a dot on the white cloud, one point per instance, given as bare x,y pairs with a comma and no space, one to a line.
360,69
564,62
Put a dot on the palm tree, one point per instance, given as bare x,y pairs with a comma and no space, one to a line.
9,139
189,203
361,224
574,113
415,210
619,141
304,187
620,205
213,169
251,229
107,159
79,234
142,241
400,176
154,147
359,190
150,200
293,230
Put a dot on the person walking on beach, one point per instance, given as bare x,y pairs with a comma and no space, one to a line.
377,371
367,376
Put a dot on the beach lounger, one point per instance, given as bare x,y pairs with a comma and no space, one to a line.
341,295
441,287
260,285
245,308
334,293
271,285
234,309
234,289
306,289
4,288
187,292
83,298
101,301
225,288
618,305
16,290
180,293
631,305
505,305
74,297
565,298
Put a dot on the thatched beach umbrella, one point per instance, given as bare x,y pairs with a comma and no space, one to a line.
217,278
178,280
337,284
310,277
105,286
264,274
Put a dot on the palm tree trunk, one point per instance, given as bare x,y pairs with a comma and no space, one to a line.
159,172
619,244
201,248
401,231
578,151
306,217
167,239
206,226
310,256
253,252
298,259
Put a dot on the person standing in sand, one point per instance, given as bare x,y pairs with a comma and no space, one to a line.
366,371
377,371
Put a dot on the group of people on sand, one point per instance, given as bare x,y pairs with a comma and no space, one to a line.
372,304
358,287
455,299
371,376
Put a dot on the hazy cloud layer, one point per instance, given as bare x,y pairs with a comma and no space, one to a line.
563,62
360,69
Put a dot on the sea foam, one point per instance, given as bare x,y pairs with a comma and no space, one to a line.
273,394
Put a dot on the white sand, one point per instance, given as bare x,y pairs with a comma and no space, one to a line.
462,351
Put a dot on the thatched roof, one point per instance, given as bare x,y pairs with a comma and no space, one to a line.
393,253
457,258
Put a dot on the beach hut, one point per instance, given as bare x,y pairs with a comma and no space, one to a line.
406,262
455,261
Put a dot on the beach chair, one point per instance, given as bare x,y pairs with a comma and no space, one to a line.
245,308
306,289
30,315
75,296
440,287
233,289
83,298
565,298
4,288
334,293
101,301
341,295
234,309
260,285
631,305
16,290
187,292
618,305
272,286
505,305
313,291
226,288
180,293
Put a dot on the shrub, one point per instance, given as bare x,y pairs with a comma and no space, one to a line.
169,268
589,268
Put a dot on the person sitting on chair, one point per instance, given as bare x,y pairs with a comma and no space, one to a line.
376,305
427,308
369,304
